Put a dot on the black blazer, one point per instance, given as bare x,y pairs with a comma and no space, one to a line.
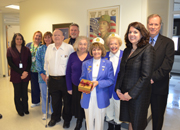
136,71
164,51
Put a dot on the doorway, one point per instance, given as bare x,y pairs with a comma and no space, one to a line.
10,31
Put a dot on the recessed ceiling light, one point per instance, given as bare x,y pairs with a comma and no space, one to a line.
13,7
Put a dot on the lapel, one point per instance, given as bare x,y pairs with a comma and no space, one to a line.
90,68
137,51
158,42
102,68
107,58
126,53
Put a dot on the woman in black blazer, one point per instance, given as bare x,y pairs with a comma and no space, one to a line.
133,83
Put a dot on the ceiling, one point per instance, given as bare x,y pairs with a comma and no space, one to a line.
4,3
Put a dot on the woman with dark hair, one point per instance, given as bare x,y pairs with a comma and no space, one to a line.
100,72
19,59
40,54
35,89
133,83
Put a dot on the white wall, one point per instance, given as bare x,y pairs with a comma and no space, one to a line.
41,14
1,45
160,7
2,54
12,29
5,19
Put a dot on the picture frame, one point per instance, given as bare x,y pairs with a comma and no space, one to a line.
109,14
64,27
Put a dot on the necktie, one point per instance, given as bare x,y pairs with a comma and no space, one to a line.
152,42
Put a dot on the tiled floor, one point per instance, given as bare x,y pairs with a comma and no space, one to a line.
172,115
12,121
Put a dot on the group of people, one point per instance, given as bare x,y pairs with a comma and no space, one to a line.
124,82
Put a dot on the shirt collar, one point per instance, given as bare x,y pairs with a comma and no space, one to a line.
117,54
155,38
61,47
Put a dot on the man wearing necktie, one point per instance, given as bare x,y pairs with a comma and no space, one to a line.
164,52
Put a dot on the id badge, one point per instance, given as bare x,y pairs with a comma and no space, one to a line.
20,65
33,59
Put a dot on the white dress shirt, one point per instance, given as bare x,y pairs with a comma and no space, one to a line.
95,71
55,61
114,58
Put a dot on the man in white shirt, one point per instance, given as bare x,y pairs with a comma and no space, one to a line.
56,58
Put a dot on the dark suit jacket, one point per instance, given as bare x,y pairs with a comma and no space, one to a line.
164,51
136,71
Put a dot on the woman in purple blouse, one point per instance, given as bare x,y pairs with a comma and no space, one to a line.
73,74
19,59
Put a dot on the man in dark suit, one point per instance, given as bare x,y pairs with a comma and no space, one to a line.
164,53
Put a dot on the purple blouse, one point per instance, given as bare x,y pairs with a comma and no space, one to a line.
14,58
74,69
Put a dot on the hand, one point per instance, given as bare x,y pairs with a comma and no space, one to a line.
70,92
46,79
120,95
95,83
24,75
43,76
152,81
127,96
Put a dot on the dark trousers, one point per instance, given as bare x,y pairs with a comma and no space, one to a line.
158,107
21,96
35,89
58,91
76,108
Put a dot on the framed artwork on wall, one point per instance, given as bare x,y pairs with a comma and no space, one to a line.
103,21
64,28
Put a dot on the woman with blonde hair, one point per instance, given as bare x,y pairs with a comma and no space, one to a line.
114,55
40,54
35,90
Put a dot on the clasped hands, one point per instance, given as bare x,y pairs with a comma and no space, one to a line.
123,97
24,75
